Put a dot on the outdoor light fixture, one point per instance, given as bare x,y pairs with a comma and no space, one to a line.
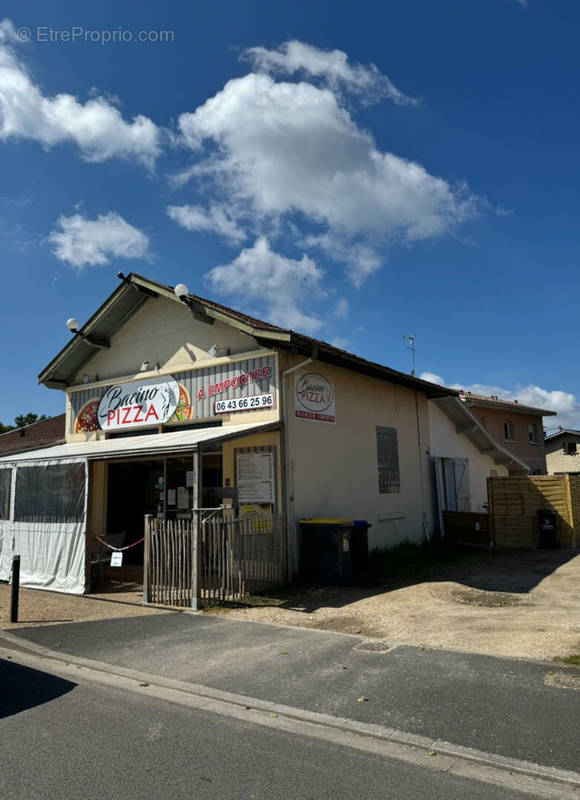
181,291
73,326
144,366
195,306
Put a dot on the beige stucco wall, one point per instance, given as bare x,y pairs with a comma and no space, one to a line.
332,468
447,443
163,332
559,462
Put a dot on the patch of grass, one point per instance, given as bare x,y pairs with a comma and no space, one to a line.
573,659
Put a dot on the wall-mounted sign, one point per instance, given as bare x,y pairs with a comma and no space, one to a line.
199,391
314,397
148,402
255,476
253,403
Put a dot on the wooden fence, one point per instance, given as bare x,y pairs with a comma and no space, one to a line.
514,503
212,560
466,527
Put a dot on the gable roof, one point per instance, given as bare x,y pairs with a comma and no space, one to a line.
562,432
44,433
135,290
492,401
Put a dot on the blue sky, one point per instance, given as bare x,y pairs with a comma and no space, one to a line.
357,171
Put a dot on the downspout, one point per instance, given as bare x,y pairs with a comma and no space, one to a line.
288,466
426,530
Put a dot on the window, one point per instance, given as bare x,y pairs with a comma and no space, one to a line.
570,448
508,431
533,434
388,461
5,486
50,493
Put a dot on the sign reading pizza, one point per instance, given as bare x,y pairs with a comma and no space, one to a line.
314,398
148,402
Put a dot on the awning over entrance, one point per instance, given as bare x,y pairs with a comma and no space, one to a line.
174,442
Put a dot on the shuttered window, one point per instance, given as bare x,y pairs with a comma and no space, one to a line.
388,460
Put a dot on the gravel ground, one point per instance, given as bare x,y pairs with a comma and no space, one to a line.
524,604
39,607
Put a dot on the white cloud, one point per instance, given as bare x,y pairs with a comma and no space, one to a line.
96,127
432,378
82,242
341,308
564,403
216,219
284,286
331,65
278,148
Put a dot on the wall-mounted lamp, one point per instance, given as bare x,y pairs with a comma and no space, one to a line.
181,291
73,326
144,366
195,306
215,351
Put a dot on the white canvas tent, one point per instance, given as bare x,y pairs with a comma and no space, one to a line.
44,501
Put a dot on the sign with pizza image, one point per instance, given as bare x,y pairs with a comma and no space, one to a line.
135,404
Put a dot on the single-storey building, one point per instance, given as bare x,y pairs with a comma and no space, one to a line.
176,403
43,433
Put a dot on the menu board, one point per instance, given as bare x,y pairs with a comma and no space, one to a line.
255,477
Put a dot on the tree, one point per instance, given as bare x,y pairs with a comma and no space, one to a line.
6,428
23,420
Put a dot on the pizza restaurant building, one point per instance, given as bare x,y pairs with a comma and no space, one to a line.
175,404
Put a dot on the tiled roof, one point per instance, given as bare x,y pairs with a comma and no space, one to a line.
472,398
45,433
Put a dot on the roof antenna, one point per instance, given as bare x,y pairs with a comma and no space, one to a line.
410,339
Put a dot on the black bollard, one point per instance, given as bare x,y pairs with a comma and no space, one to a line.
15,589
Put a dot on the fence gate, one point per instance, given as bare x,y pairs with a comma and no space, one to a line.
514,504
213,558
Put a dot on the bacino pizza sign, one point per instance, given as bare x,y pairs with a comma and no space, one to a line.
314,398
149,402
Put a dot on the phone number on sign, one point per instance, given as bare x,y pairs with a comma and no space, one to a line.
244,403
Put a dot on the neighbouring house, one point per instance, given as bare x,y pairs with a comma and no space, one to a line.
463,457
175,404
44,433
517,427
563,452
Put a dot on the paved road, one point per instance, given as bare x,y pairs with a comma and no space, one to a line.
64,739
501,706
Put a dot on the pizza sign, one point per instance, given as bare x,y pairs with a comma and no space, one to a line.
148,402
314,398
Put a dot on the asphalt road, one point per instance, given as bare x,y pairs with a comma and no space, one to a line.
501,706
64,739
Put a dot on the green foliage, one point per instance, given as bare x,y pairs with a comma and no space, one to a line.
23,420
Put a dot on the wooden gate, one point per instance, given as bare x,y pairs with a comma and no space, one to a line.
212,560
514,503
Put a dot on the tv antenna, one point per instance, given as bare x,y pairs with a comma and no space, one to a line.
410,339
